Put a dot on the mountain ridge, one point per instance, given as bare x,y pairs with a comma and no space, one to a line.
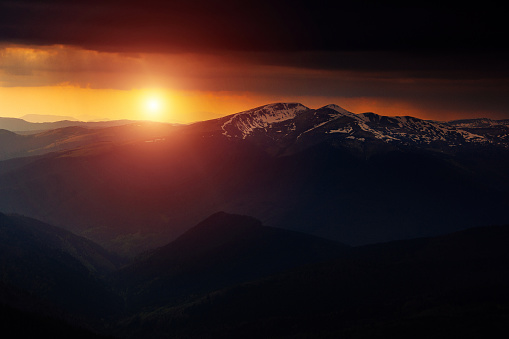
138,186
287,123
21,125
46,118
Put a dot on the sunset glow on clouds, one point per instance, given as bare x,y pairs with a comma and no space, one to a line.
204,61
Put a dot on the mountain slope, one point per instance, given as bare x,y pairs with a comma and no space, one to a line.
30,324
14,145
54,267
418,288
223,250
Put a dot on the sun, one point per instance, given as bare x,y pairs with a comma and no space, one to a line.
153,105
153,108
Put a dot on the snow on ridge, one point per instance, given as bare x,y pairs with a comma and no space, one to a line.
347,129
338,109
344,112
246,122
340,112
272,117
399,128
429,130
274,109
262,117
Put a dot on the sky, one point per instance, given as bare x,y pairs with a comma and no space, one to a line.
183,61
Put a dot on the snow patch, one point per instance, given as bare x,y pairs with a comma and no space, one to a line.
347,129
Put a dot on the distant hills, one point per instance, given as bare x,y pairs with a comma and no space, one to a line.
46,118
86,135
21,125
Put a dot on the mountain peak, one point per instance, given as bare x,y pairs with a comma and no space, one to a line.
337,108
282,106
278,111
243,123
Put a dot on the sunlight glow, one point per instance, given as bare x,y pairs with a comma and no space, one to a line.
154,107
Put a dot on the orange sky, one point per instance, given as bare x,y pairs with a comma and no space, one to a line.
173,106
186,87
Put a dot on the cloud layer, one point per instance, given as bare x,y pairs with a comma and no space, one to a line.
425,57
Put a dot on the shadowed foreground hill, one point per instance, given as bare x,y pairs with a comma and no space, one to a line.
49,269
31,325
450,286
232,277
221,251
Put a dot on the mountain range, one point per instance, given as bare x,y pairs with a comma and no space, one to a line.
293,127
354,178
13,145
277,222
23,126
46,118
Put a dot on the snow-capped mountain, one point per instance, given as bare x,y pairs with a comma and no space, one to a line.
292,125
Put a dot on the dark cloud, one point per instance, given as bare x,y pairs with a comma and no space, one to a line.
277,25
394,64
420,39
